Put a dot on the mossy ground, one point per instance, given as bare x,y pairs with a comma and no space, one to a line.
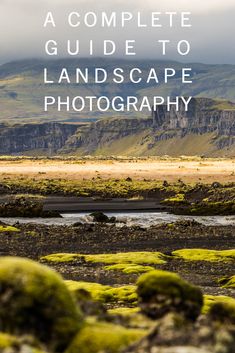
227,282
10,343
106,294
128,263
104,337
4,229
210,300
180,198
205,255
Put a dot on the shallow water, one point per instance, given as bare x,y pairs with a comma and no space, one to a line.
143,219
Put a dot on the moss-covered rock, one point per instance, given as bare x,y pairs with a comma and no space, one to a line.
161,292
103,293
34,300
137,258
223,311
14,344
227,282
129,268
105,338
6,229
210,300
25,207
205,255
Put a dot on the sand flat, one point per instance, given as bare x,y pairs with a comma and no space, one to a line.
195,169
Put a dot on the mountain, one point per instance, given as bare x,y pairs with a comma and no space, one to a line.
207,128
22,89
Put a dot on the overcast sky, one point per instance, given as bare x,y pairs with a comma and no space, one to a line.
212,34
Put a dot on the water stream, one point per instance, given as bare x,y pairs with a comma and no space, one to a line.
143,219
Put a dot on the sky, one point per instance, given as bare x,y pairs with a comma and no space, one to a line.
211,36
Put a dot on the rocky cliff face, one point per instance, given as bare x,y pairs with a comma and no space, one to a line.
48,137
204,116
207,128
106,131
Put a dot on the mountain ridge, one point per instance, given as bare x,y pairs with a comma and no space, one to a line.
22,89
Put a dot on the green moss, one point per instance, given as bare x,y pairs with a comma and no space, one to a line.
175,199
62,258
205,255
136,258
129,268
210,208
223,311
9,343
161,292
105,338
35,297
227,282
4,229
7,340
139,258
210,300
123,311
105,294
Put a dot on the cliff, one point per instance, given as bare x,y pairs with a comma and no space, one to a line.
207,128
204,116
46,138
106,131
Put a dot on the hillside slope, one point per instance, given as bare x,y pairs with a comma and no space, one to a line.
208,128
22,89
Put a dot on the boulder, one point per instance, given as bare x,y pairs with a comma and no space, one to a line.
34,300
162,292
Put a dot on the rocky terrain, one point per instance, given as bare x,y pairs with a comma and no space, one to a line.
117,296
101,287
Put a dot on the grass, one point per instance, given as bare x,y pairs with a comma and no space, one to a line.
205,255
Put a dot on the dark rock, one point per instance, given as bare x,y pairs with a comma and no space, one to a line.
48,136
173,334
100,217
161,292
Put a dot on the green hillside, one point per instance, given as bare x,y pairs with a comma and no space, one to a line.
22,89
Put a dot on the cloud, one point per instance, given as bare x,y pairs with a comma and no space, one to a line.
22,33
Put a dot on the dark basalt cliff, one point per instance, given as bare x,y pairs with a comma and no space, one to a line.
106,131
208,127
203,116
47,137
